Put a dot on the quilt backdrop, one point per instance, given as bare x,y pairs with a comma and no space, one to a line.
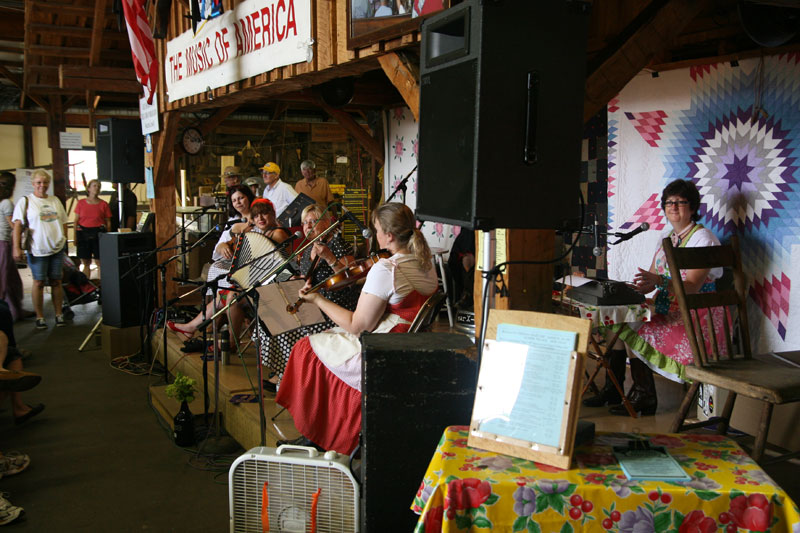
734,131
403,148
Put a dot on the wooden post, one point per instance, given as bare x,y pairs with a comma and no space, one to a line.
529,286
55,124
164,204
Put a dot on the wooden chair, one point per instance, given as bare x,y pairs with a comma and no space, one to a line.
738,372
427,313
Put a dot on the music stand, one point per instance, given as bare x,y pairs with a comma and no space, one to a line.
290,217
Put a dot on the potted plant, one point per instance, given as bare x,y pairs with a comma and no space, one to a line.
182,389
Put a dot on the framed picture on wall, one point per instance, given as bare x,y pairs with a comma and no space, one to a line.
371,21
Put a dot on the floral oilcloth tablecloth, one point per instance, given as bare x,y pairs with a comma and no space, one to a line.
467,489
607,315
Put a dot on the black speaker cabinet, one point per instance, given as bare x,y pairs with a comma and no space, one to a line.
501,114
413,386
126,300
120,150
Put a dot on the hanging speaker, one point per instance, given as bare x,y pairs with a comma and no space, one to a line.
120,150
501,114
769,25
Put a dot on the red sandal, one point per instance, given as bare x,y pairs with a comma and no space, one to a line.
171,325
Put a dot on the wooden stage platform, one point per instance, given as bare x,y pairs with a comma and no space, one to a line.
240,376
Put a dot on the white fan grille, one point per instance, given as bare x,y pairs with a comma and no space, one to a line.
290,489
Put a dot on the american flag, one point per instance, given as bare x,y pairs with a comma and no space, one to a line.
143,48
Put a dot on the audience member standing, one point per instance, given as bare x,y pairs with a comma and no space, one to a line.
45,217
312,186
10,282
92,215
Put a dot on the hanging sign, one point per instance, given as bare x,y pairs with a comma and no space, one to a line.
255,37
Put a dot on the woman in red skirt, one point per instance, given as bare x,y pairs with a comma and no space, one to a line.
321,386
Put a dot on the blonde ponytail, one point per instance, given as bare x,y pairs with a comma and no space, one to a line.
397,219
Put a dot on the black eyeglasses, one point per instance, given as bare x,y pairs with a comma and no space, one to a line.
670,203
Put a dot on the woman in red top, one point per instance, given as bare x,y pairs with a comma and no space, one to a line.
92,216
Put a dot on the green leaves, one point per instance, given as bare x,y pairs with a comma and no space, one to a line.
492,499
567,528
182,389
661,522
519,524
706,495
533,527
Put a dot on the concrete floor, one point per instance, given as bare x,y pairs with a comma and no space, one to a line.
101,460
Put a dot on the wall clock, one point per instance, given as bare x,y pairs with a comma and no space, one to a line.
192,140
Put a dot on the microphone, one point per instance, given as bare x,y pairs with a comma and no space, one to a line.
228,224
597,251
625,236
365,232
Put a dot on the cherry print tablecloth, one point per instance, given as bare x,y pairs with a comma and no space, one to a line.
467,489
606,315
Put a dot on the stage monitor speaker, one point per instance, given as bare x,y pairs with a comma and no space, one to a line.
501,114
120,150
127,301
413,386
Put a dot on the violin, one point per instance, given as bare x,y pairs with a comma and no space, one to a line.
343,278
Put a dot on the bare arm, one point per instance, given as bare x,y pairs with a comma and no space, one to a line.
647,280
17,240
368,312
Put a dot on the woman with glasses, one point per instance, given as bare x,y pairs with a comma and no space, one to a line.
661,345
326,256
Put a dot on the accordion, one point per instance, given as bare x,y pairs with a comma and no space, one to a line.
256,259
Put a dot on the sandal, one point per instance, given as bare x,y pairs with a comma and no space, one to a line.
187,334
35,410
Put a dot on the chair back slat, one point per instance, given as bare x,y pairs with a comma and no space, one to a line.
706,257
707,343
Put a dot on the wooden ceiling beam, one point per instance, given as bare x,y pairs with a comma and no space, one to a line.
403,71
61,8
98,24
97,73
653,34
75,32
73,52
105,85
18,81
367,141
212,123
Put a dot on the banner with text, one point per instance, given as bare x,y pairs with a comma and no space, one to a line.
255,37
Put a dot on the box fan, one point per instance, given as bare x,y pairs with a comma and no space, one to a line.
292,489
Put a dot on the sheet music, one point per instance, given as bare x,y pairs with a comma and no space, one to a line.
523,383
274,298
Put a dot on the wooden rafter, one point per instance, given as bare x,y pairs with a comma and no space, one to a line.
653,34
403,72
211,123
16,80
98,24
355,129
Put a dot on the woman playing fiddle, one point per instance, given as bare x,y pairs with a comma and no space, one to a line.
321,387
317,264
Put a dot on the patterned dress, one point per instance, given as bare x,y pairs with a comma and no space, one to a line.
275,350
662,343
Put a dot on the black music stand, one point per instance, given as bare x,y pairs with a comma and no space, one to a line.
290,217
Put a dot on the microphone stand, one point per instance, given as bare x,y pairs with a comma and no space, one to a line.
401,187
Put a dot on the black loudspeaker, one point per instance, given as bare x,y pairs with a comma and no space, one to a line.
127,301
501,114
413,386
120,150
